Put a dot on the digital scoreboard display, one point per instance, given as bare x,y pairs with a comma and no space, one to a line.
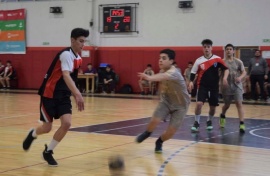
117,19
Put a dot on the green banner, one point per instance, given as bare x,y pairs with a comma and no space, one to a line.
12,25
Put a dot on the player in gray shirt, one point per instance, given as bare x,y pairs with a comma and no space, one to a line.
234,90
174,99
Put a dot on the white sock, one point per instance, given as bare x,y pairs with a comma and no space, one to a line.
52,145
209,118
197,118
34,134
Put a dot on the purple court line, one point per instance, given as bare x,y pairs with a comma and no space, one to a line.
65,157
166,162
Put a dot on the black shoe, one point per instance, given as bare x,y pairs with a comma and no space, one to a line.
195,127
47,155
143,136
158,148
28,140
142,93
209,125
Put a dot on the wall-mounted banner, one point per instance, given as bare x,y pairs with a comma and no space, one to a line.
12,31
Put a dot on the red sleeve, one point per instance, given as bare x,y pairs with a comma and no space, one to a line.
222,64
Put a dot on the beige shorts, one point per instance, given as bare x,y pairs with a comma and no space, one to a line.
177,115
237,96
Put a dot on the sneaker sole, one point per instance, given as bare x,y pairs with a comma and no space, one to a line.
209,128
47,162
242,131
195,130
136,141
158,151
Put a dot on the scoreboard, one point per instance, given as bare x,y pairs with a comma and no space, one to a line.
117,19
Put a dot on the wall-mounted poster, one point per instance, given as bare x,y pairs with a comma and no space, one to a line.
12,31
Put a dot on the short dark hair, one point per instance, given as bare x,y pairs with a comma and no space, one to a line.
9,61
207,42
149,65
257,50
169,52
229,45
190,62
89,64
78,32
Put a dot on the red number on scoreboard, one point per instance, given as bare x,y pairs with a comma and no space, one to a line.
109,19
116,26
126,19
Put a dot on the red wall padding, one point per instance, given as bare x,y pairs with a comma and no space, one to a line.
32,66
126,61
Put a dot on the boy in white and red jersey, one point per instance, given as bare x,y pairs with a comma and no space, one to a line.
55,92
207,67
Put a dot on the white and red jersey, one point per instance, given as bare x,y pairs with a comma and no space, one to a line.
208,71
53,85
8,70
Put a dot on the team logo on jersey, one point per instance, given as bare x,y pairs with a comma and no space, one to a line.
215,64
202,66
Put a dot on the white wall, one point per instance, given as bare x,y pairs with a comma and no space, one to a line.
42,26
160,22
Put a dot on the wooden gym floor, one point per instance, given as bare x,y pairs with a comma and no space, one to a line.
108,126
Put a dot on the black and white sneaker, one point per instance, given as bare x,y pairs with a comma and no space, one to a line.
28,140
209,125
195,127
143,136
47,156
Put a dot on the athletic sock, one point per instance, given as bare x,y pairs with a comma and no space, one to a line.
209,118
52,145
34,133
197,118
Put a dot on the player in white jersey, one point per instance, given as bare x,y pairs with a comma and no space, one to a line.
207,68
55,91
174,99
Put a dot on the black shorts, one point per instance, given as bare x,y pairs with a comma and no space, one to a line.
11,77
54,108
209,94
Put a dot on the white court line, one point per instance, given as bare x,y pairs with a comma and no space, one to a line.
187,116
252,133
109,122
119,128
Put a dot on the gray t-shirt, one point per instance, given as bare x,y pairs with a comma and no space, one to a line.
174,92
257,66
236,67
